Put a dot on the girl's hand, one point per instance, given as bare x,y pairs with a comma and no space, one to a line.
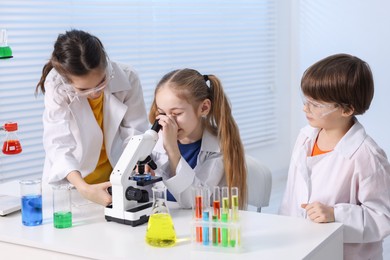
319,212
169,130
96,193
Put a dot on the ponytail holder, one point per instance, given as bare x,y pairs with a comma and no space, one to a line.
206,78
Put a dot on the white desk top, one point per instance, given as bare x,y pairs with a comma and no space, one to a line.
264,236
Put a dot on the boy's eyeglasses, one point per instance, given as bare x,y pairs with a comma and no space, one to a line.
318,109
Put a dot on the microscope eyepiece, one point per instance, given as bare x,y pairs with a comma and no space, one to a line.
156,126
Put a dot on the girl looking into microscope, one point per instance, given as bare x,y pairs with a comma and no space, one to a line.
199,142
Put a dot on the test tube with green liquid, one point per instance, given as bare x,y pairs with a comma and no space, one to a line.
216,232
235,233
225,216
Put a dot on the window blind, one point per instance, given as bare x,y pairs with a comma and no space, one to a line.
234,40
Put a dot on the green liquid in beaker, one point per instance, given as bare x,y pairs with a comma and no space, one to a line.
62,219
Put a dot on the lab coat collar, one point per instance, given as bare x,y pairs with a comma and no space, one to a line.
348,144
352,140
210,143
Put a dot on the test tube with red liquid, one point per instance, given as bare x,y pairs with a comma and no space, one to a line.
198,211
216,215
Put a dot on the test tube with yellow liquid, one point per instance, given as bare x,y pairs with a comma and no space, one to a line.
160,231
225,216
234,232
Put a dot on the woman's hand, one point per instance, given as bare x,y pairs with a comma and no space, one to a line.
96,193
319,212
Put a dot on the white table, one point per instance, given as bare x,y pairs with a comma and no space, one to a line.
264,236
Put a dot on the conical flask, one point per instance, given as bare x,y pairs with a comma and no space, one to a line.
160,232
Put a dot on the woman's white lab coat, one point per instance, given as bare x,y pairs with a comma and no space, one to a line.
208,171
354,179
72,138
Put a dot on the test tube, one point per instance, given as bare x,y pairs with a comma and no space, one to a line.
206,216
225,215
198,211
234,232
234,192
216,234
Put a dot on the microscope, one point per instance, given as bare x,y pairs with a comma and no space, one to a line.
130,200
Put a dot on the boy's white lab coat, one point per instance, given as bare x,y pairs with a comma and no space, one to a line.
208,171
354,179
72,138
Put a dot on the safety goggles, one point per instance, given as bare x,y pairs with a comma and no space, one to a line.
319,110
109,75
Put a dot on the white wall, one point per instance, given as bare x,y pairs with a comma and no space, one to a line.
357,27
277,155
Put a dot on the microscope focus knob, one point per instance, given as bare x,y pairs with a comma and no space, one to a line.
133,194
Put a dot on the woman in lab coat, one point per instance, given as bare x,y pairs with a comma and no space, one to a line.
93,106
337,172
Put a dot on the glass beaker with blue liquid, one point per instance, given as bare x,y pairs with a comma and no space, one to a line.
31,197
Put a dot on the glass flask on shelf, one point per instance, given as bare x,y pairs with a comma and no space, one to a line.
11,143
5,49
160,231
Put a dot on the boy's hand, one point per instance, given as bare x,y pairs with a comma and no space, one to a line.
319,212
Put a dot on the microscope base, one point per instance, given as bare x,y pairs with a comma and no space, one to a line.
134,217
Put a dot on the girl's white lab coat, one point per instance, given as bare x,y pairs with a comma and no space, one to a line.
354,179
72,138
208,171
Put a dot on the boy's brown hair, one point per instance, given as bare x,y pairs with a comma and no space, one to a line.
342,79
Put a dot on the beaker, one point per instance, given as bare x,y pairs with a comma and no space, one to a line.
31,196
11,143
62,209
160,231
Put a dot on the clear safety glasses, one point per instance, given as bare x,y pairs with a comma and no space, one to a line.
76,92
317,109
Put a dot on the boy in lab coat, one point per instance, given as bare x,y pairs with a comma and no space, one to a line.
337,172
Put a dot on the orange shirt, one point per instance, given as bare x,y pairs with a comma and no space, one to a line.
316,150
103,168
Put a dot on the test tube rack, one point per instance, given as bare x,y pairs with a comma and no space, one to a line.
216,227
216,235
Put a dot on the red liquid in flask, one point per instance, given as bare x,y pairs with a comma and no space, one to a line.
12,147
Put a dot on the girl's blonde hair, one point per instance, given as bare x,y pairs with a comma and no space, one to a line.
191,86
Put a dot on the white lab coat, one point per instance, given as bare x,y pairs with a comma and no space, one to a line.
354,179
208,171
72,138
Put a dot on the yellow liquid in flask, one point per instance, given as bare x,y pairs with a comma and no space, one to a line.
160,232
